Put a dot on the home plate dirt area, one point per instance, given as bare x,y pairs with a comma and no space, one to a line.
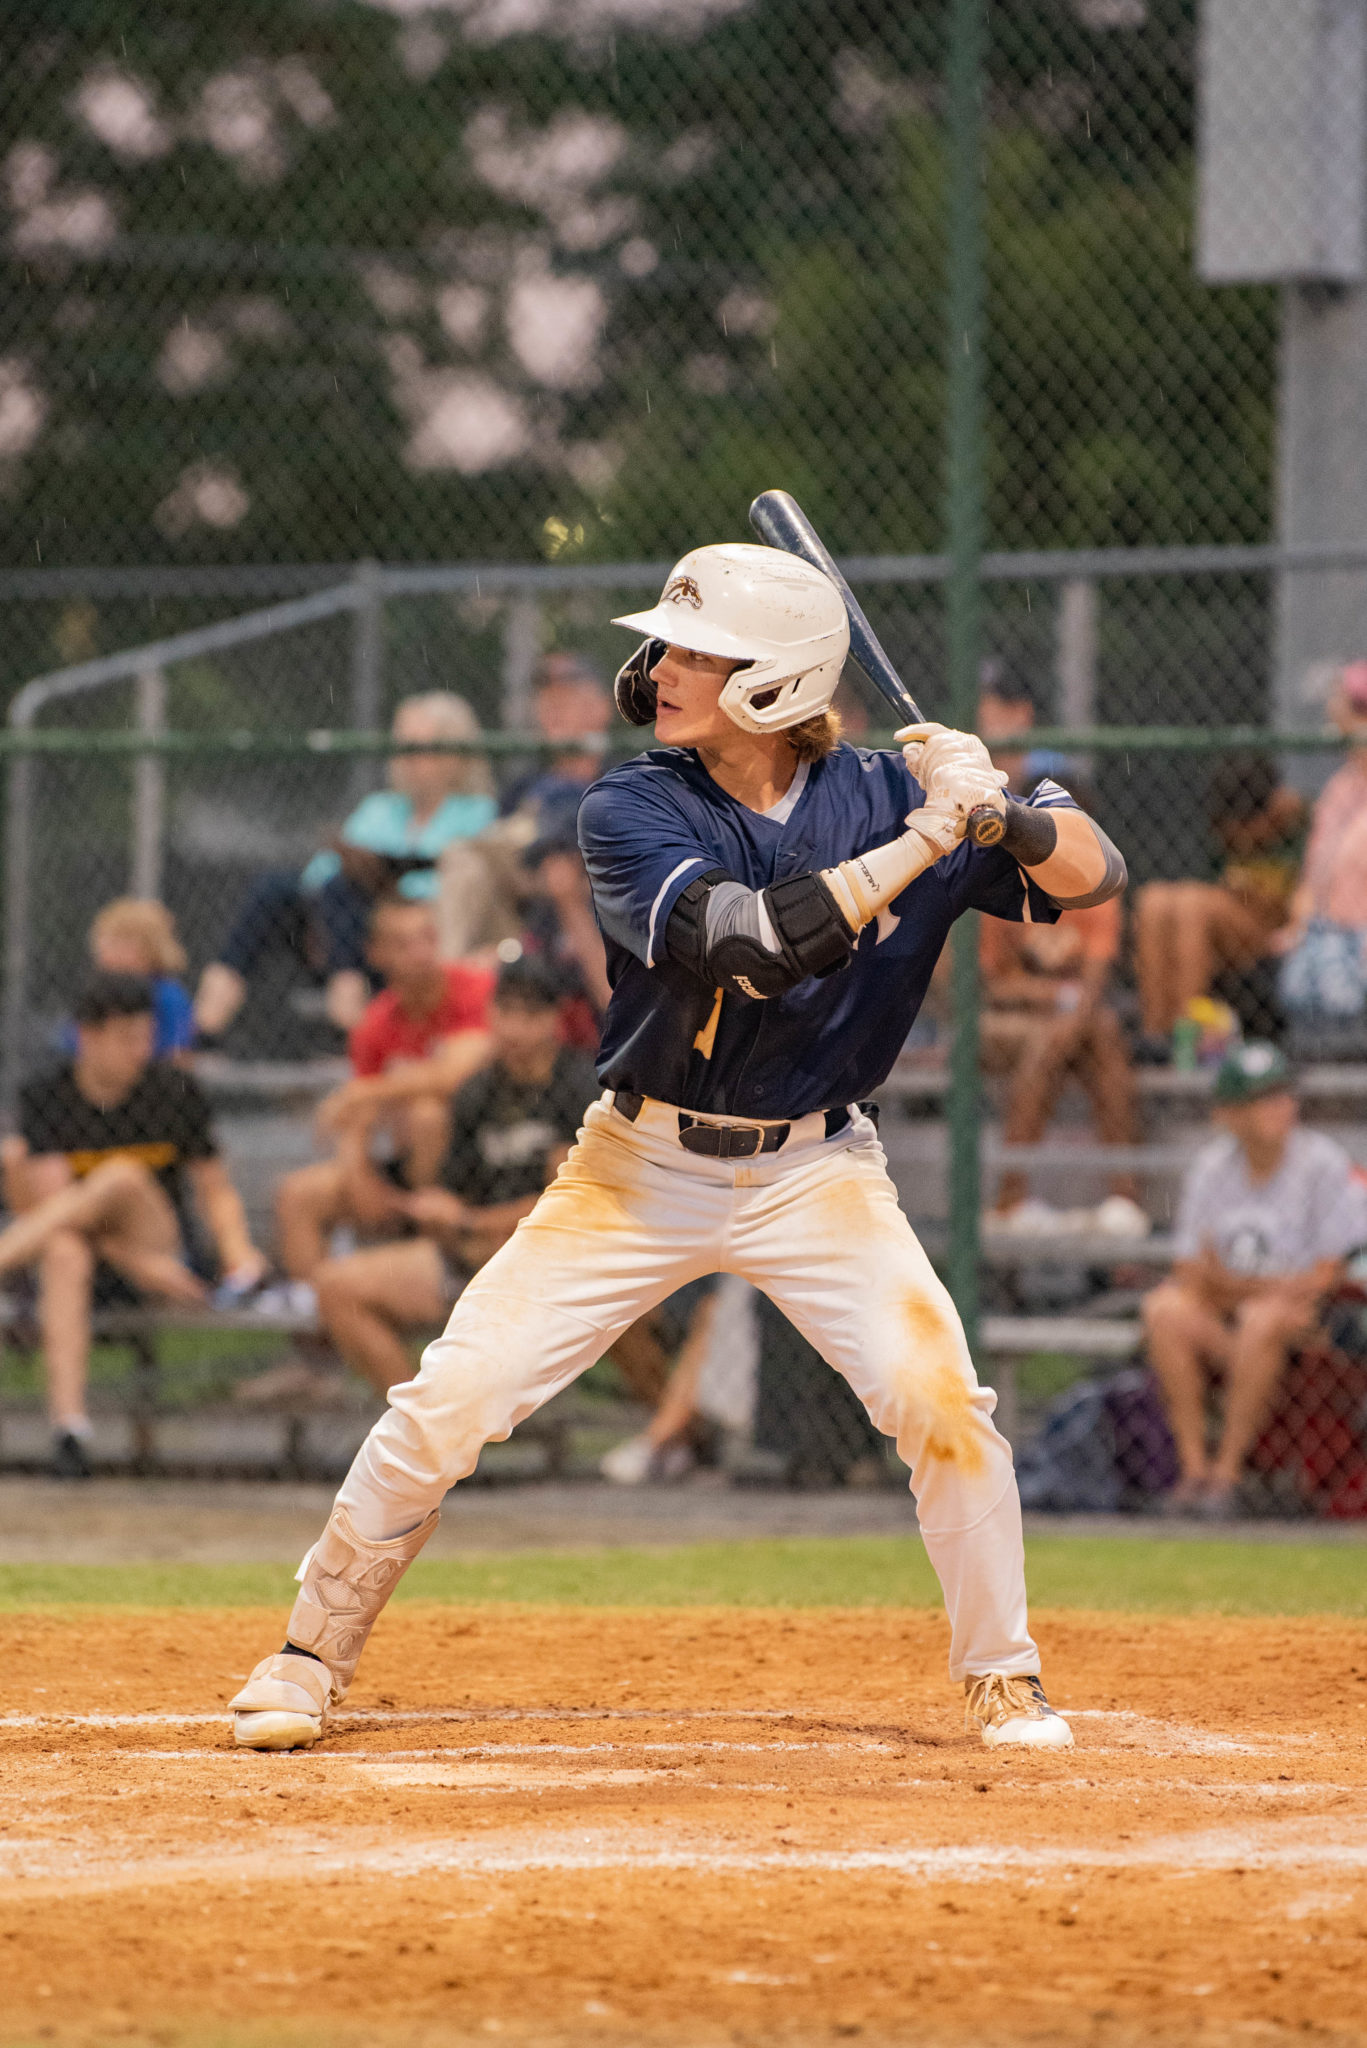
684,1825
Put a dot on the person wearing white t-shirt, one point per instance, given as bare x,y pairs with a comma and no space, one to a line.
1268,1214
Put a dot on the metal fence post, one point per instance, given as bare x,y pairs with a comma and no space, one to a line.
18,832
1077,650
149,786
367,669
521,647
964,523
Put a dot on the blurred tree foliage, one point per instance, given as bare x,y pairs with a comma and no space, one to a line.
304,280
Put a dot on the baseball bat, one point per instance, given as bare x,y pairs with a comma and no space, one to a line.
780,522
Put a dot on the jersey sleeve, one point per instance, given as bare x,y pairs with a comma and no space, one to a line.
640,853
985,878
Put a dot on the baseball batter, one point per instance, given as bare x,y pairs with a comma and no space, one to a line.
773,903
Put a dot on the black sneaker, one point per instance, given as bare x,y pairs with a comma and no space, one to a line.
69,1460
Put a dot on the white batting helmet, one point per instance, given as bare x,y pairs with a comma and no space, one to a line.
776,613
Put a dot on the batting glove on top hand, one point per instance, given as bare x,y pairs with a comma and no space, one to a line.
953,766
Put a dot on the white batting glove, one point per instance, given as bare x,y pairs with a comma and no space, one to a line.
968,789
939,823
928,749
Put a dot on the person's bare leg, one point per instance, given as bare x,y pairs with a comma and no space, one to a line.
367,1300
65,1275
642,1360
1153,919
16,1178
309,1203
426,1136
1183,1336
1211,929
1265,1333
679,1402
1108,1081
124,1210
1044,1058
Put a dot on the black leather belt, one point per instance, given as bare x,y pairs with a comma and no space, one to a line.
726,1141
729,1141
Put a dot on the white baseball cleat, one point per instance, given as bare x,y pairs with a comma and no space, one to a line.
285,1704
1014,1710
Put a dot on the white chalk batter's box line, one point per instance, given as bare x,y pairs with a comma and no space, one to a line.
1153,1736
380,1717
1208,1852
364,1760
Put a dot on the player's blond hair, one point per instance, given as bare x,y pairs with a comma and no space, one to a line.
816,736
148,924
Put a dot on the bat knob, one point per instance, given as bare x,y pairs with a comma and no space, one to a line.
986,825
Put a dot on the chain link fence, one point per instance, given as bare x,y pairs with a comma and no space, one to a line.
466,281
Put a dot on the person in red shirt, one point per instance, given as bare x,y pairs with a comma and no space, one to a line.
415,1044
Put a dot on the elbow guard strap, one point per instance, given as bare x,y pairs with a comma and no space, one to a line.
758,943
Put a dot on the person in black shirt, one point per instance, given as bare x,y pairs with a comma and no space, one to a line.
111,1143
511,1126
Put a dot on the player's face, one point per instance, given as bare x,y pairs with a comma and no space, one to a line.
687,712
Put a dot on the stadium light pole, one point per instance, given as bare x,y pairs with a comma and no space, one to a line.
965,488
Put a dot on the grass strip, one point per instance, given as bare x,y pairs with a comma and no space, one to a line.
1148,1575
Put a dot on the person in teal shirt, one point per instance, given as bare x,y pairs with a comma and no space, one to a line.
391,842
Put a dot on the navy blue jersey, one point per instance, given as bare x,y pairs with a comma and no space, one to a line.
659,821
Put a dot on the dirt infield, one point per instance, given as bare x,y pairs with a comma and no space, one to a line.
684,1826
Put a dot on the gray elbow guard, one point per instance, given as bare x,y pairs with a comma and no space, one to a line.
1112,881
1031,836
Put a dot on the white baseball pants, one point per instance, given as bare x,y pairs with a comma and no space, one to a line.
816,1225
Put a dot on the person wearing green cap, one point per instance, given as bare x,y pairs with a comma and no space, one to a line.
1268,1213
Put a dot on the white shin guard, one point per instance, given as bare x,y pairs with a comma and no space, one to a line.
345,1582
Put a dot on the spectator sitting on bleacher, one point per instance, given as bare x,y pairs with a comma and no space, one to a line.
1324,969
137,935
417,1042
1268,1213
392,841
511,1126
1185,933
560,929
1045,1016
487,882
109,1140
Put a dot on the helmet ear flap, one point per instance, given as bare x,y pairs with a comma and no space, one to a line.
634,691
